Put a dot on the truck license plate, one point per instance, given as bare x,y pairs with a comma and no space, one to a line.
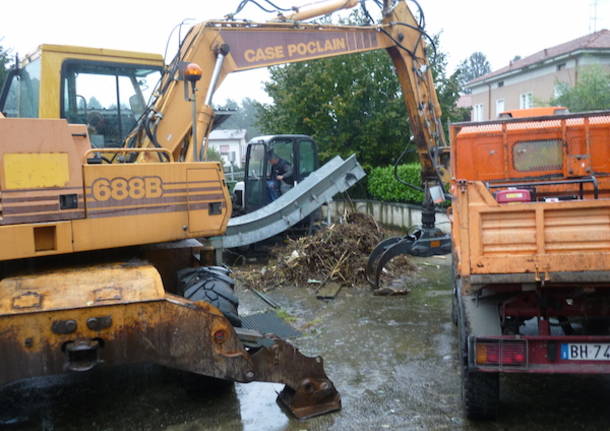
586,352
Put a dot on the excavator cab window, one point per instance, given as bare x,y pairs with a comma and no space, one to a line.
108,97
307,158
20,95
255,187
283,148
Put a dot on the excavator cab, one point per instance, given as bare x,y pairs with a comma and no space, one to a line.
103,89
298,150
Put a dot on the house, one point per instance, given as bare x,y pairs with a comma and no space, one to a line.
534,78
231,144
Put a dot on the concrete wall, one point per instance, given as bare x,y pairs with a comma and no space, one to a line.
391,214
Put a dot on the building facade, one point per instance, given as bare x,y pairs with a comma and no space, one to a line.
532,80
231,144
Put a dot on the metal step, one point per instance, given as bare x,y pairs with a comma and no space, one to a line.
255,327
319,187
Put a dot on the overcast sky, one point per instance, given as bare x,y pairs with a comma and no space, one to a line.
499,29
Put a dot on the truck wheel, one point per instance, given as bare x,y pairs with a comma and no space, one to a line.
213,285
480,392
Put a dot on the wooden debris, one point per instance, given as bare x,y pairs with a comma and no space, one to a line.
336,254
329,290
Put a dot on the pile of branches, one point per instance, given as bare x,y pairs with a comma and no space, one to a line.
338,253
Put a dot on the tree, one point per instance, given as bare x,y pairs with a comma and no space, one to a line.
94,103
4,60
591,92
213,155
245,117
349,104
471,68
447,87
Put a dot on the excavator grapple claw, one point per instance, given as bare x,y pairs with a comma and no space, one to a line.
384,252
423,242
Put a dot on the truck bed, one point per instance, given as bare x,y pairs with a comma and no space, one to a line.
533,238
559,230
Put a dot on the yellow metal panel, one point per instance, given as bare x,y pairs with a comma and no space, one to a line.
18,241
202,220
36,170
114,54
78,287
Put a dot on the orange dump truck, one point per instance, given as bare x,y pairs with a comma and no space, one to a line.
531,247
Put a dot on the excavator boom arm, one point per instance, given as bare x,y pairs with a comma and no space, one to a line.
247,45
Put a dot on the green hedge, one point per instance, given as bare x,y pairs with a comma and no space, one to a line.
383,186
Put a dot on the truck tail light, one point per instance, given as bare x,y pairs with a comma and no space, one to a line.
500,353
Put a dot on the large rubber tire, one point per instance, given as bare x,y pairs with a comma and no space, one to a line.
213,285
481,394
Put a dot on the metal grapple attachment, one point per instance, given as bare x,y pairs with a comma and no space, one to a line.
423,242
308,391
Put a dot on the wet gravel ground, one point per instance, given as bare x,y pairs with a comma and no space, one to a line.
391,358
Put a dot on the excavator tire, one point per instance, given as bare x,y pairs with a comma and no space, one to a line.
213,285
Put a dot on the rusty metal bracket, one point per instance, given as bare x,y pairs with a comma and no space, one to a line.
308,391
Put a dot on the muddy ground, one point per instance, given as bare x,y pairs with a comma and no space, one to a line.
391,358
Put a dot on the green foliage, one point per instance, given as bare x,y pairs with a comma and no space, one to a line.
4,60
245,117
349,104
591,92
213,155
94,103
382,184
471,68
448,88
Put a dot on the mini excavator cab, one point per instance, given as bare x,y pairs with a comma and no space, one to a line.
300,151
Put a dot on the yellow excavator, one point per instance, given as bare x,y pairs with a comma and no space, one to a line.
104,188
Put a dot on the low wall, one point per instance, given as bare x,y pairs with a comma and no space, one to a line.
391,214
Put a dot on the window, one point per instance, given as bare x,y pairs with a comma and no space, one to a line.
307,158
526,100
477,112
283,149
22,97
499,107
500,84
544,155
109,98
561,66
